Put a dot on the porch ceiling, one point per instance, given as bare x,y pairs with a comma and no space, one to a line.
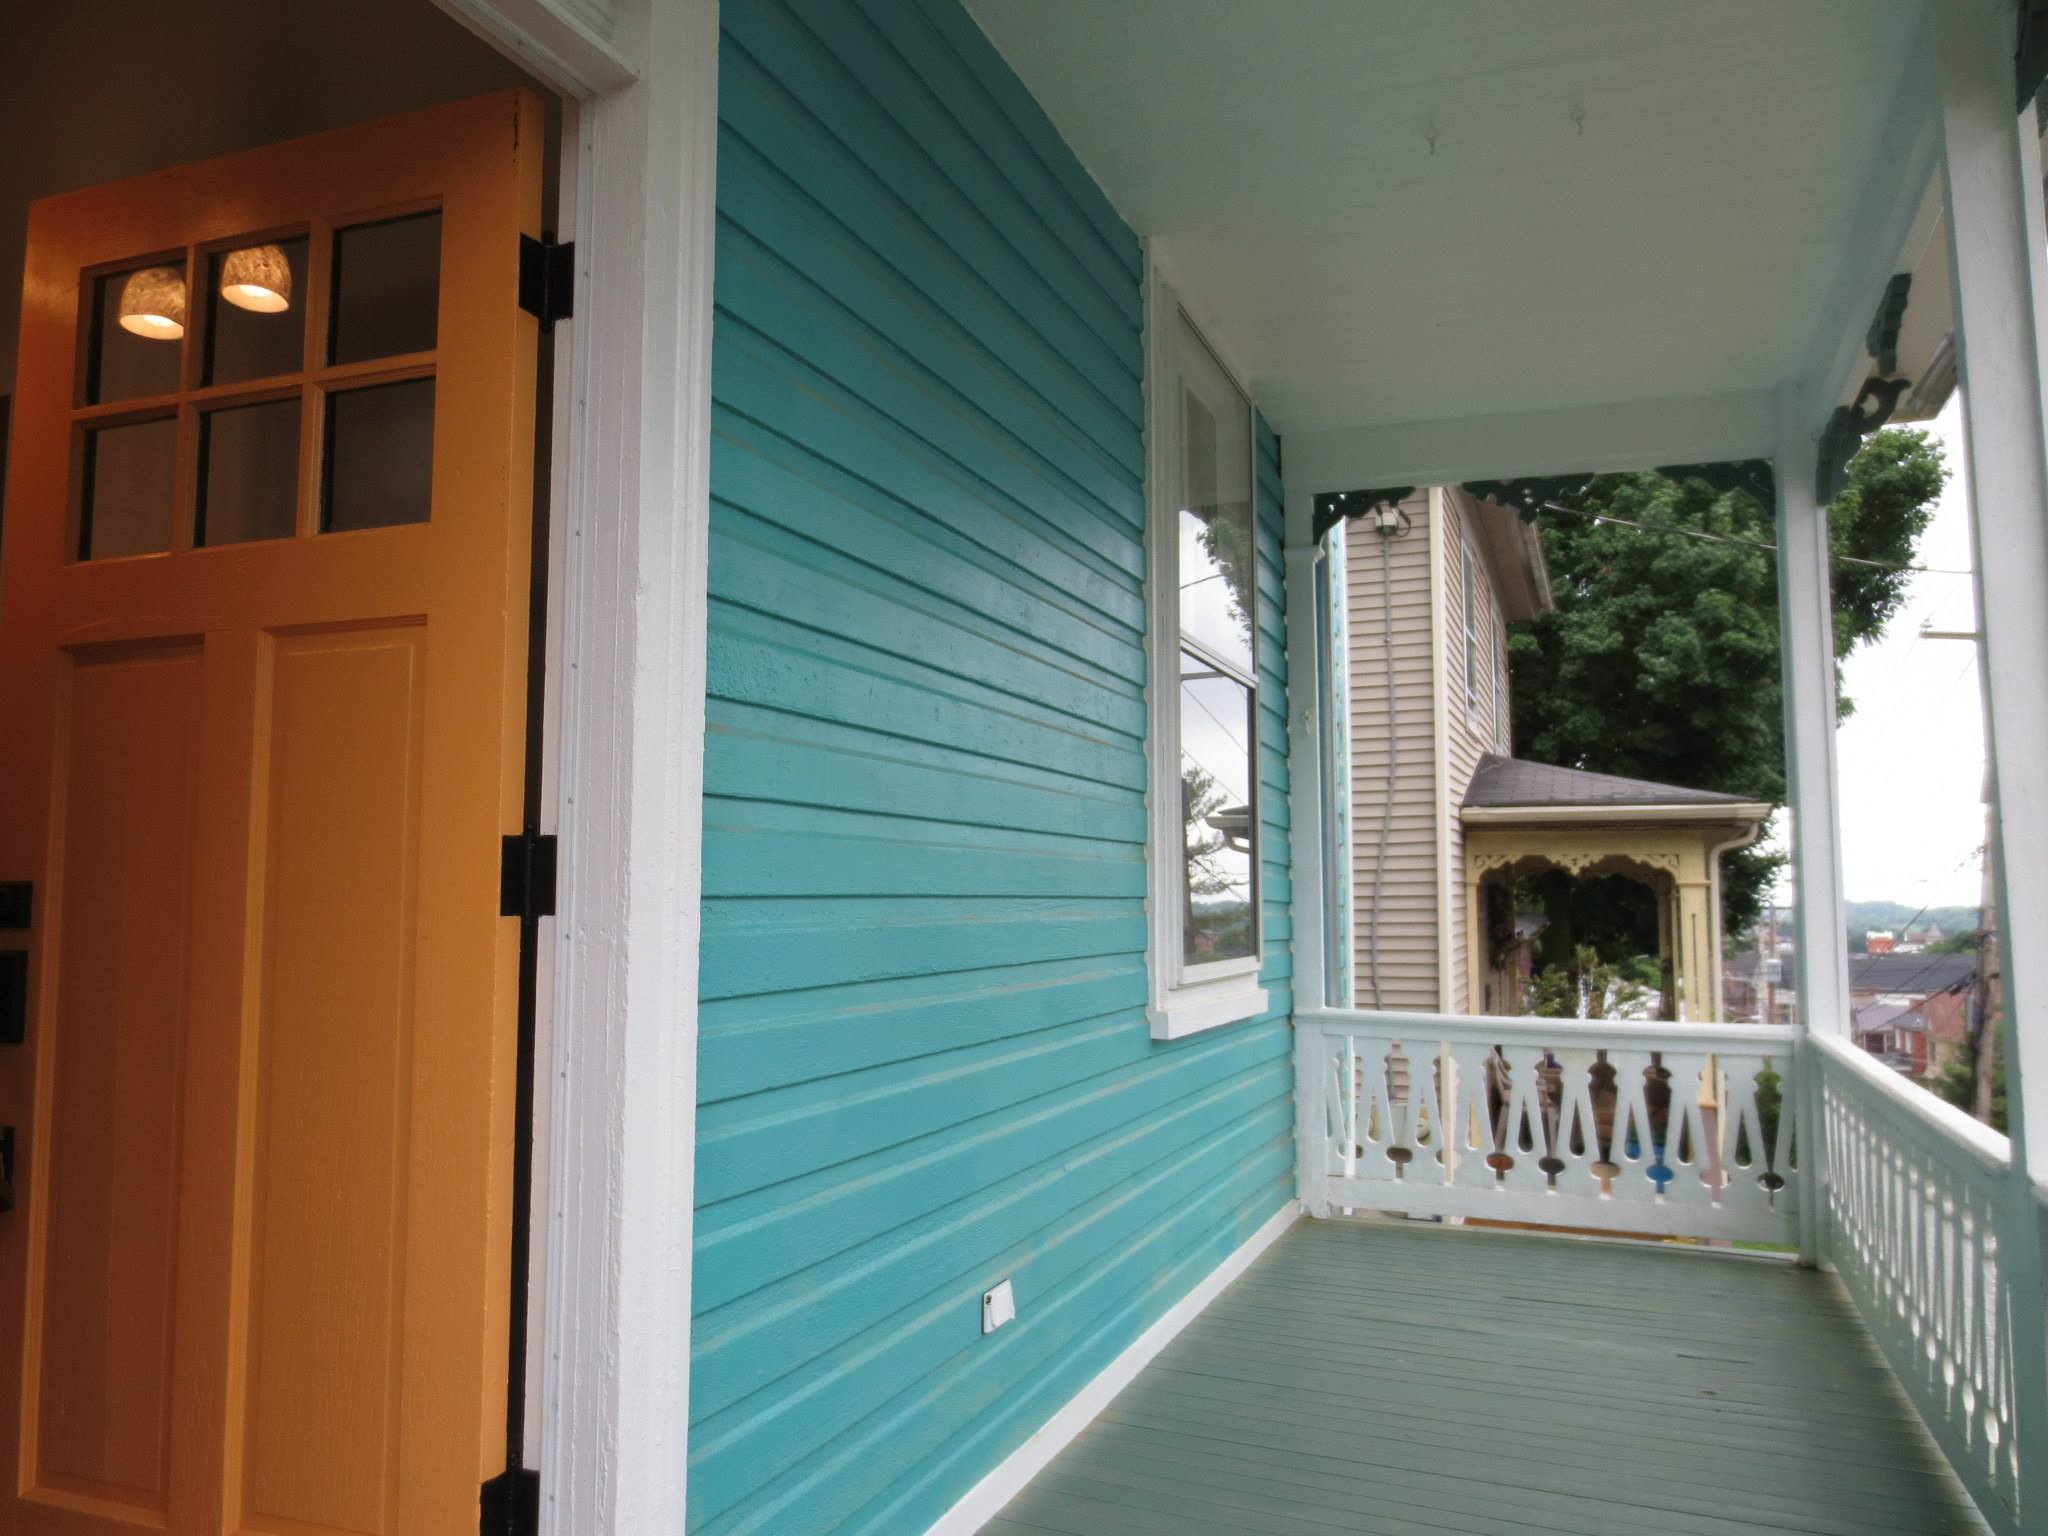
1683,244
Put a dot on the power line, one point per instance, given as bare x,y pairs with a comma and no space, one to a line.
1727,538
1226,730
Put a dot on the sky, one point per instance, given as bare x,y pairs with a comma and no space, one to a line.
1911,757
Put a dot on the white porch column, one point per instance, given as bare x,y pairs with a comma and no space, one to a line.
1991,157
1304,762
1806,641
1305,852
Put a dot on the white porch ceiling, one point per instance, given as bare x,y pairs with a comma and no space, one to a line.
1680,242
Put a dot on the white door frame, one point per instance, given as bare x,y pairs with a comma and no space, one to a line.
615,1133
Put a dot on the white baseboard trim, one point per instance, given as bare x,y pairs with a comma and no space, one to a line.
981,1502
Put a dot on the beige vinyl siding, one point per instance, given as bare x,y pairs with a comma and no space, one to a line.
1469,732
1408,910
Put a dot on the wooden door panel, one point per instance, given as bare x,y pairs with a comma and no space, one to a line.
259,1276
128,749
340,766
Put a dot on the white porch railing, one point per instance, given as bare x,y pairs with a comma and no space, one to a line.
1916,1200
1667,1129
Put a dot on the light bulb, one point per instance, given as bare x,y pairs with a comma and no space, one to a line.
258,278
153,304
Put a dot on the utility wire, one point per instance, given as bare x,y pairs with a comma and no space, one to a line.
1727,538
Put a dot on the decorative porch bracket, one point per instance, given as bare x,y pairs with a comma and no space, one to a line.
1332,507
1847,428
1875,401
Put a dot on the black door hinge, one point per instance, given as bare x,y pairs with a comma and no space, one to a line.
547,279
509,1504
526,876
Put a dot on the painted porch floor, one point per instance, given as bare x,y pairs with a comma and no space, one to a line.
1405,1377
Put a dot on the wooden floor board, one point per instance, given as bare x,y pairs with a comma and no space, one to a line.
1412,1379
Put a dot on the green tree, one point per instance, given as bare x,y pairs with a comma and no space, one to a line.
1957,1083
1660,660
1958,943
1589,988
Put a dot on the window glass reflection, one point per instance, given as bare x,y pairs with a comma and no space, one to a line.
249,457
256,311
138,323
380,456
1218,811
387,288
126,505
1218,557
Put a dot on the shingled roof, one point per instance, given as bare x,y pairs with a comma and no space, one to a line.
1511,781
1911,975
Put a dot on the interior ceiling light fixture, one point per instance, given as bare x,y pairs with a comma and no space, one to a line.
153,303
258,278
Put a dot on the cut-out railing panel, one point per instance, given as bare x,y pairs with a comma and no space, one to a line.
1663,1130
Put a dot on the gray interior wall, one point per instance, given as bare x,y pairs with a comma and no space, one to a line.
108,89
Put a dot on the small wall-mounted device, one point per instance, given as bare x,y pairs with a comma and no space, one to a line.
998,1306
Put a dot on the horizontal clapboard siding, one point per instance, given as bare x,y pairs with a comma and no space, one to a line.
1405,958
1470,731
925,1064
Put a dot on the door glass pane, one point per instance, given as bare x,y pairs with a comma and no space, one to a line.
127,502
138,320
387,288
1218,559
255,297
249,457
1217,812
380,456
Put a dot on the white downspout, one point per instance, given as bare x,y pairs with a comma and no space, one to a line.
1715,957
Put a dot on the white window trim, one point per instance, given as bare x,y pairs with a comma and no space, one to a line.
1503,711
1184,999
1468,586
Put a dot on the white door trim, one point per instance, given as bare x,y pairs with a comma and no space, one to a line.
628,553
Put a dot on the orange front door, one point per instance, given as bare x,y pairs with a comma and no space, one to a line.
263,602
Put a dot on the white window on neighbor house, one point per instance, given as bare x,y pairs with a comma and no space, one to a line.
1468,564
1204,689
1503,701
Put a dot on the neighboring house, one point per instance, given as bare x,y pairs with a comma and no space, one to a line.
1427,605
1911,1008
673,881
1444,818
1893,1030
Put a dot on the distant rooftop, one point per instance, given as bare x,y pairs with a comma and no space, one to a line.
1870,1018
1513,781
1910,975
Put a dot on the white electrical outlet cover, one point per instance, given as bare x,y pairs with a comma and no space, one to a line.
998,1306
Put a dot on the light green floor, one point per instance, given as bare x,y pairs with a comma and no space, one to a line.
1406,1377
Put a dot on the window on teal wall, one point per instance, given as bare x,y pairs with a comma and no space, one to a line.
1205,692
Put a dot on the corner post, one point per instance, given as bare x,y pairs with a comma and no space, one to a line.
1312,1072
1806,644
1990,154
1306,853
632,549
1305,763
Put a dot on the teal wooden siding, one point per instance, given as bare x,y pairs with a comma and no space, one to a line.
925,1064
